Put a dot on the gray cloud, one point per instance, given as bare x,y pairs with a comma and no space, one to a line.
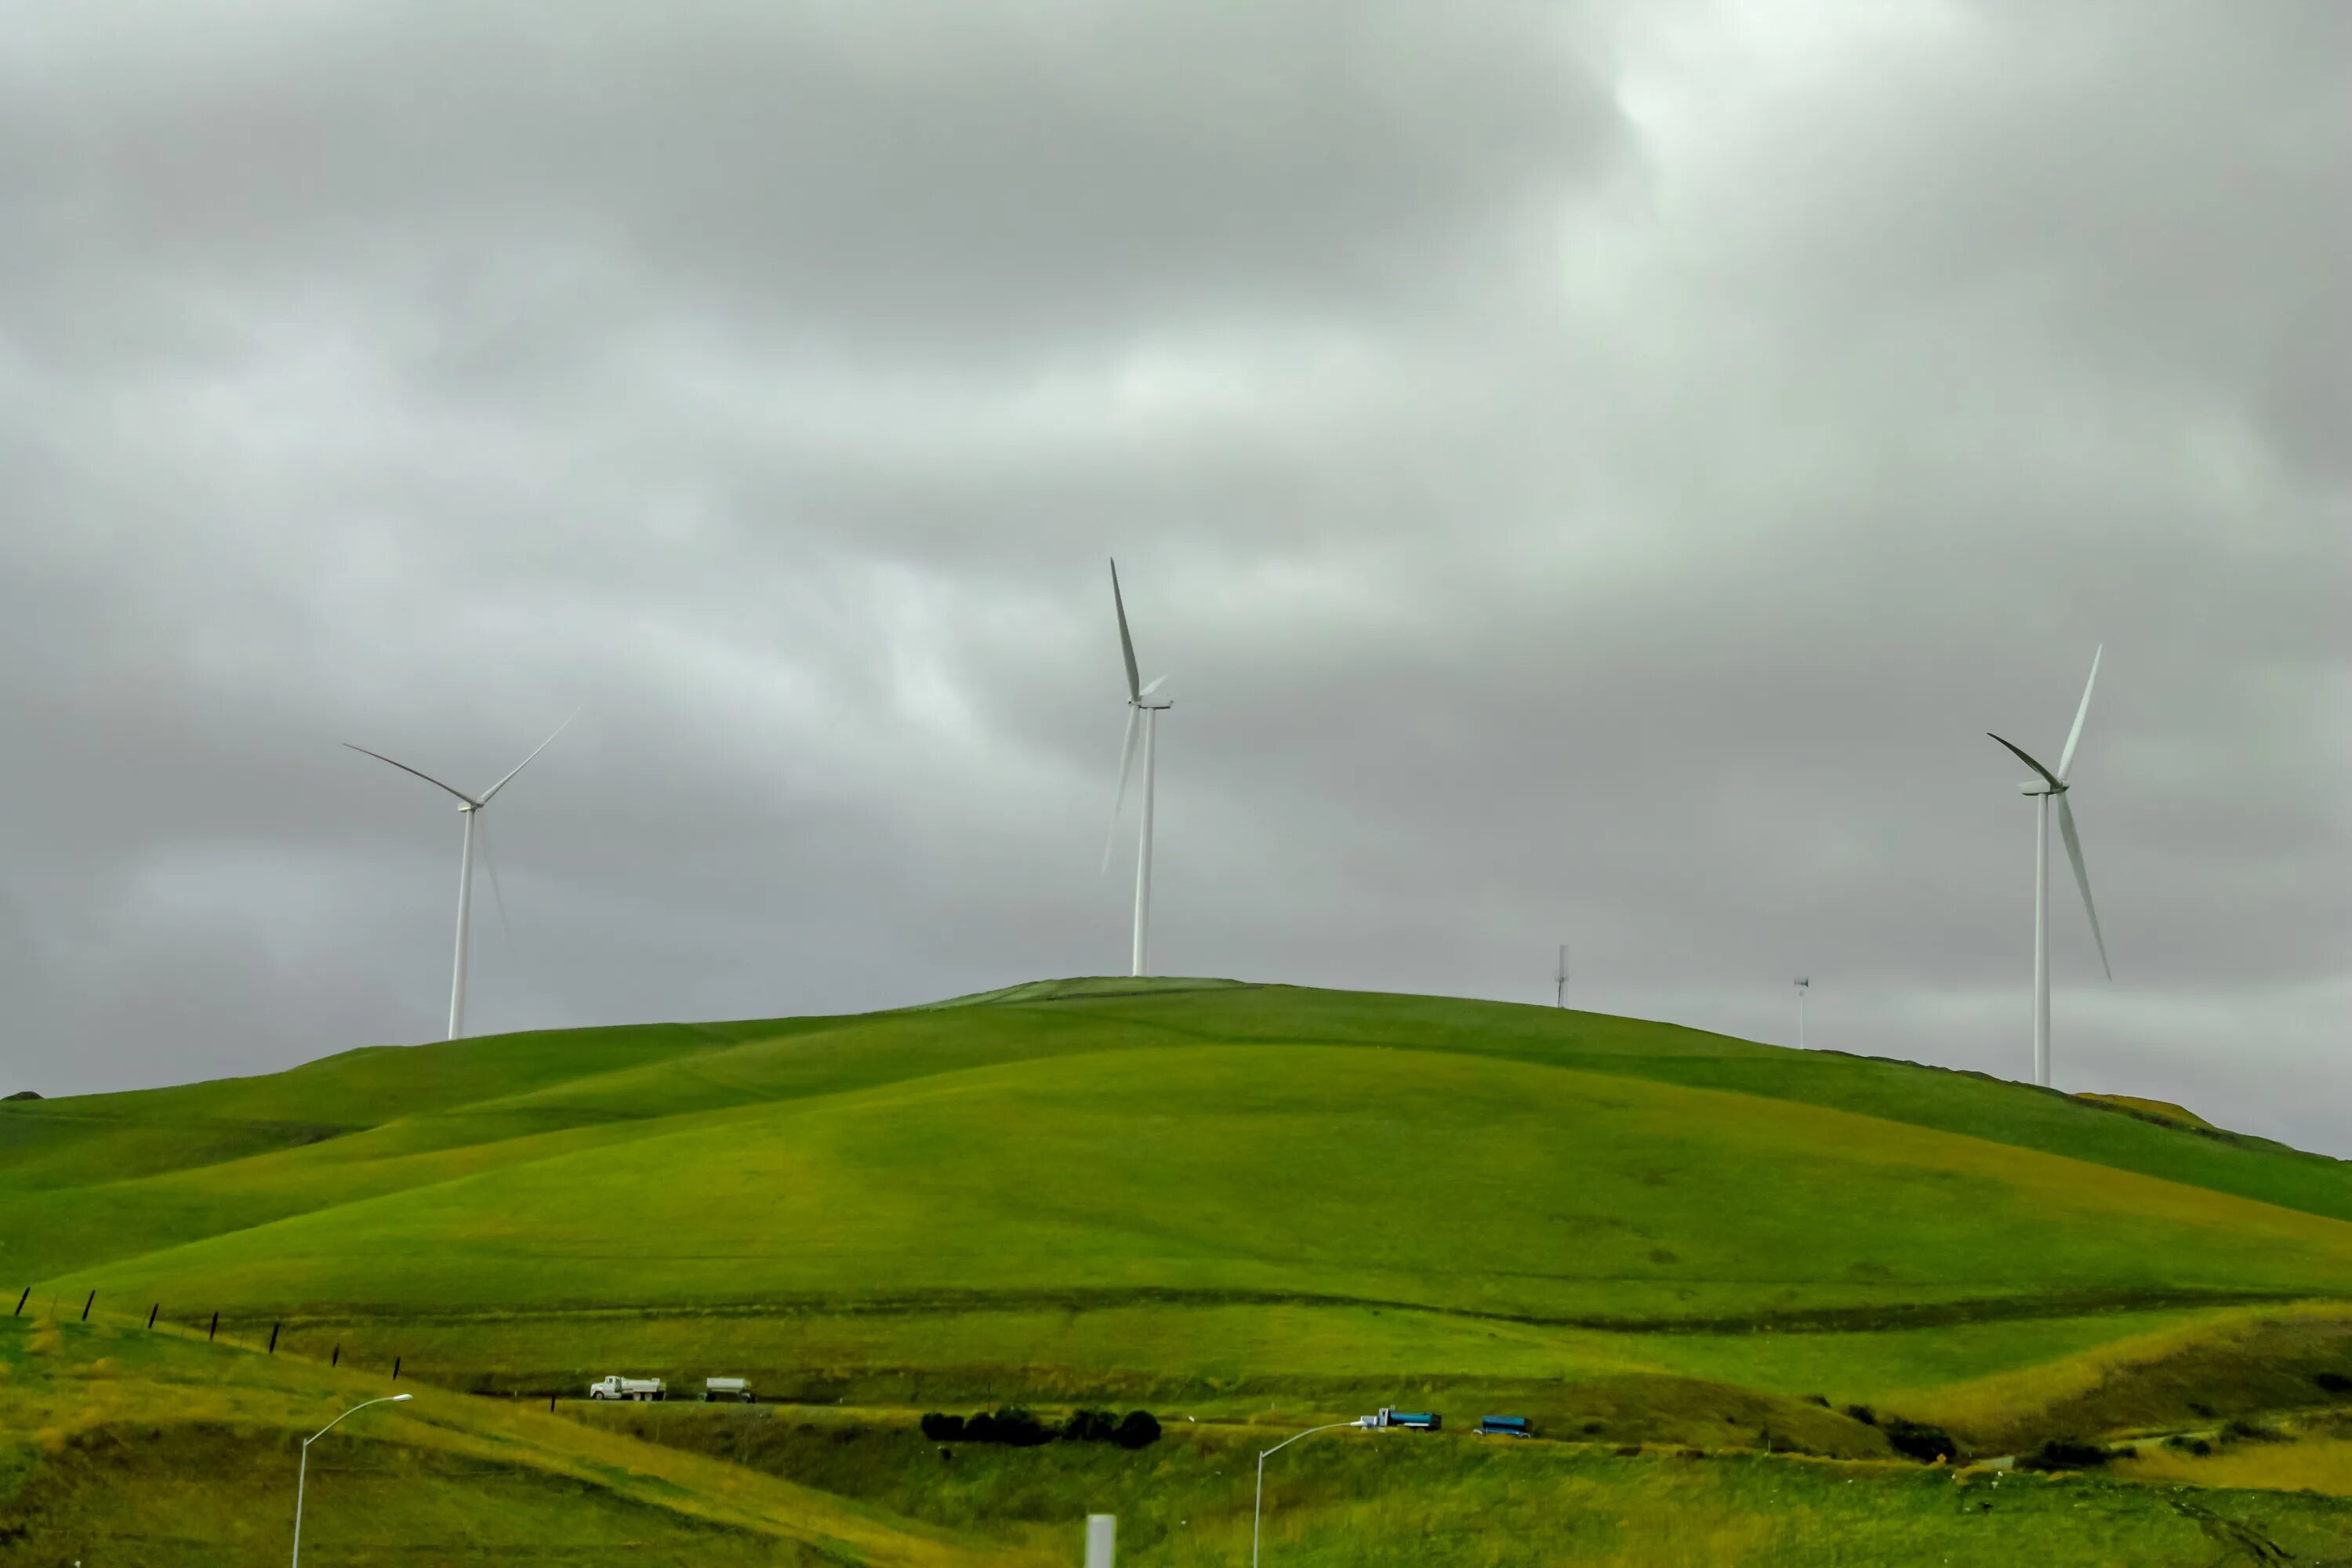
1592,475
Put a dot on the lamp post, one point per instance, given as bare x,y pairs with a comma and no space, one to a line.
303,1475
1258,1510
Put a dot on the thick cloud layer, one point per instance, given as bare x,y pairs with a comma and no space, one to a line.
1593,475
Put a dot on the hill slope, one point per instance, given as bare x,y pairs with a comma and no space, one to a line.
123,1446
1194,1188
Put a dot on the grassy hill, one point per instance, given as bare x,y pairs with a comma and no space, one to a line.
1215,1199
119,1445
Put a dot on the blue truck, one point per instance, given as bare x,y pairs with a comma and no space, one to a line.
1417,1420
1505,1427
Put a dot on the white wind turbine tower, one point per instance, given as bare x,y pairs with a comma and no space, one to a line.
2045,788
472,807
1139,706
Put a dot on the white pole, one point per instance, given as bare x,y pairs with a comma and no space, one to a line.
301,1478
1143,845
2041,942
465,909
1257,1511
303,1475
1102,1537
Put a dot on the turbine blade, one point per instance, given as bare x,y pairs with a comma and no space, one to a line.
2082,877
1126,643
491,863
526,762
1119,801
2074,736
1157,683
2055,786
404,767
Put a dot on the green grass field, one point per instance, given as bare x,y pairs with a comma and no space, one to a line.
1238,1203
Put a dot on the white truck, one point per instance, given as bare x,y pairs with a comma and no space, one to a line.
619,1387
729,1388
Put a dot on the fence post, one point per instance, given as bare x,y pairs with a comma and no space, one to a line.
21,1301
396,1369
85,1306
273,1339
337,1359
152,1312
214,1329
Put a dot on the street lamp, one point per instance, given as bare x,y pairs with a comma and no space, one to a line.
1258,1510
303,1475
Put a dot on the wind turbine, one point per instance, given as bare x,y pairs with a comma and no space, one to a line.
2046,787
1139,706
471,807
1804,984
1560,979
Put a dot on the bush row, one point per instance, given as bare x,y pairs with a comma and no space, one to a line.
1021,1429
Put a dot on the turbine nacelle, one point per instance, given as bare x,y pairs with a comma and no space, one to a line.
2039,786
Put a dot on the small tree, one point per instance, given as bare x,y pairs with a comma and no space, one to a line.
1139,1430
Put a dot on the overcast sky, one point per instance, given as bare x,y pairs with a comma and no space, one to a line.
1591,474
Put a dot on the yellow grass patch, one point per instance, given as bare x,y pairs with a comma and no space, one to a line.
2163,1109
2305,1464
2006,1399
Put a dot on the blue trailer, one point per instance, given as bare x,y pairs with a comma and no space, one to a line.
1505,1427
1417,1420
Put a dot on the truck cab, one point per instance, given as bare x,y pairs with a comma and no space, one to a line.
614,1386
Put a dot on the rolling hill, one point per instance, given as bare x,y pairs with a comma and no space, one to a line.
1213,1197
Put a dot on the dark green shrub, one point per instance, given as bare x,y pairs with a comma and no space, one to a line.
1018,1428
2064,1454
1817,1399
941,1428
2250,1432
1863,1413
1918,1440
1139,1430
2331,1381
2197,1445
1090,1426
